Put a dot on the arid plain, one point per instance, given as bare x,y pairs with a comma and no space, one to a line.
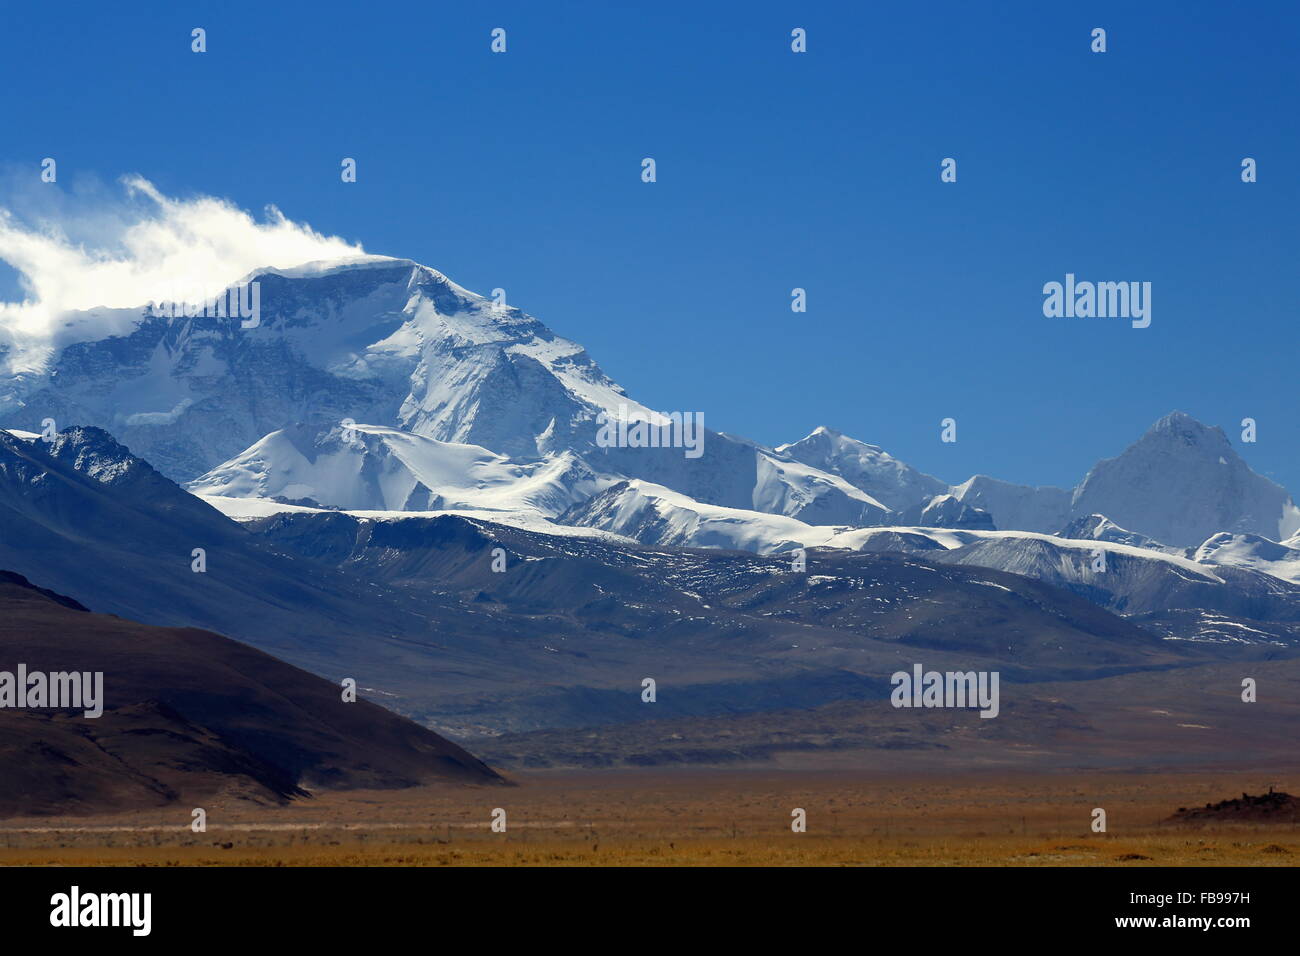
705,817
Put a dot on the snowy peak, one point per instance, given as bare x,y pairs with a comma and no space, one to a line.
472,403
378,340
1018,507
1100,528
948,511
869,468
1185,427
66,483
398,345
98,456
1182,482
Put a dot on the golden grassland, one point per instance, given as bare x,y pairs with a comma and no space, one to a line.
1262,847
698,818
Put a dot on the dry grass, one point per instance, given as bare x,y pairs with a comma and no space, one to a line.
1260,847
698,819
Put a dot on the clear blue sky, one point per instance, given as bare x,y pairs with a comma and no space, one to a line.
775,170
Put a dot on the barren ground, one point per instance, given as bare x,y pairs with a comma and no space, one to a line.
707,817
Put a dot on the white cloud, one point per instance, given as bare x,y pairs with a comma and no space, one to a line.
123,250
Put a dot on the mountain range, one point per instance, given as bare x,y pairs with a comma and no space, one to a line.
392,478
380,384
412,607
388,343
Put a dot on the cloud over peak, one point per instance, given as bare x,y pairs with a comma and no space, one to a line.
122,249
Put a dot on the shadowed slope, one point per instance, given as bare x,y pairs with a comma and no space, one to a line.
188,713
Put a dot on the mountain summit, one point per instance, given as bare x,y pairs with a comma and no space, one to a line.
391,344
893,483
380,341
1181,483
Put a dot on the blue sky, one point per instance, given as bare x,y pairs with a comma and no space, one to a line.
775,170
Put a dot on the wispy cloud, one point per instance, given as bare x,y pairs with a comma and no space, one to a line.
123,247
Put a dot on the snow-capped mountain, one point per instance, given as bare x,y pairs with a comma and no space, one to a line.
1232,591
375,340
948,511
473,405
1202,599
412,606
910,492
1021,507
393,344
1252,551
1101,528
1126,571
893,483
653,514
1182,482
371,468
